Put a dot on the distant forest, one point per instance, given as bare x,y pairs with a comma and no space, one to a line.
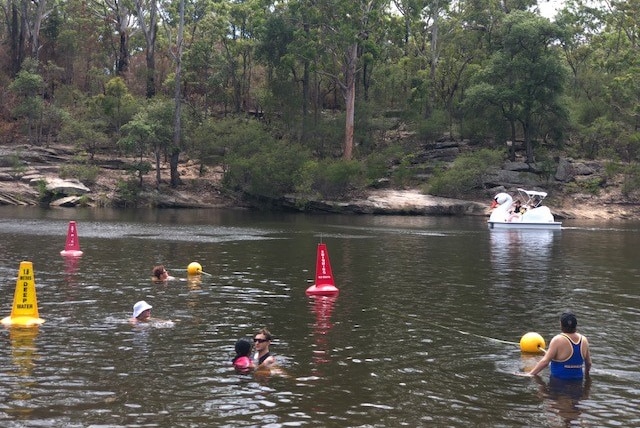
319,97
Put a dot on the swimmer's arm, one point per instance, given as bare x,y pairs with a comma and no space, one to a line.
587,356
546,359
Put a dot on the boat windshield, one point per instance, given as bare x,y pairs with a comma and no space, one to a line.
533,198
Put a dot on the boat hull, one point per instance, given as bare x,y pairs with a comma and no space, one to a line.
553,225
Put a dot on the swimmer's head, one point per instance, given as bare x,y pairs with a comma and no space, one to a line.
243,347
568,322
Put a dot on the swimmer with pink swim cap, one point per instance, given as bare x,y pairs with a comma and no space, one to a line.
242,361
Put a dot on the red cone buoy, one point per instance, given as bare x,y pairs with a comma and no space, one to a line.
324,285
72,246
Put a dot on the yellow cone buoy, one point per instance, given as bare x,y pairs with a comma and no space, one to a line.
532,342
194,268
24,311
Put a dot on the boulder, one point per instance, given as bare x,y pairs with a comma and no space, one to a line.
61,186
68,202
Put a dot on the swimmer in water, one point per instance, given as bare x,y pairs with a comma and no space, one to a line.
242,361
261,342
160,274
141,312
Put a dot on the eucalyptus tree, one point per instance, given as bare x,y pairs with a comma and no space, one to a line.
24,20
244,20
116,105
205,71
27,88
149,129
177,100
119,14
147,14
343,28
601,44
286,49
523,79
618,55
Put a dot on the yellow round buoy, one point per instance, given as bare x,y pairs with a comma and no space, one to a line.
532,342
194,268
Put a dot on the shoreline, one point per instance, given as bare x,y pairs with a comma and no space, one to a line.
42,169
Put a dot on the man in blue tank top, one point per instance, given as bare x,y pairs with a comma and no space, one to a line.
568,352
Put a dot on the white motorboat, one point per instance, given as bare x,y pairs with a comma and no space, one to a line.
530,215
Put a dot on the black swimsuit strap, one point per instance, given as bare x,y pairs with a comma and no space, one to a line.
264,357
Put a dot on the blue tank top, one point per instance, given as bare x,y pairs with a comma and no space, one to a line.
571,368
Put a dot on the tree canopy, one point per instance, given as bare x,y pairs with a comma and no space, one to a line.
329,80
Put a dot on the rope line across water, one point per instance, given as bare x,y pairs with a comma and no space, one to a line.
444,327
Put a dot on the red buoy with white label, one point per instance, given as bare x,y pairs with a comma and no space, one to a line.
324,283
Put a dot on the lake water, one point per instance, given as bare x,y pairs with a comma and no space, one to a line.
424,332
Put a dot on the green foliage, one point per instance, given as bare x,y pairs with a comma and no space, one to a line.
631,183
330,179
591,186
324,138
117,105
86,174
127,192
434,127
487,75
27,87
270,172
86,134
17,164
611,168
465,174
150,130
523,80
45,196
403,173
255,162
378,164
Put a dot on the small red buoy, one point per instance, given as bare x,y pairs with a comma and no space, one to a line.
324,284
72,246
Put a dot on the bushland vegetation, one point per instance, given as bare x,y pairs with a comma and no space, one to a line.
322,98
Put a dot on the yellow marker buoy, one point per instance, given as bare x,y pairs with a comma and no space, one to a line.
194,268
532,342
24,311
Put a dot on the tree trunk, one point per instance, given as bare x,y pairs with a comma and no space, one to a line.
158,177
434,62
512,147
122,64
350,100
35,31
150,32
16,30
528,144
177,128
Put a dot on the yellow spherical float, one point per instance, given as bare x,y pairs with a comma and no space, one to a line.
532,342
194,268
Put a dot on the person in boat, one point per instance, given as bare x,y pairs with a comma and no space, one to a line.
242,361
161,274
263,357
568,352
141,312
517,207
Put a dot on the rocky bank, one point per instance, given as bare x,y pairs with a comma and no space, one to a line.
26,173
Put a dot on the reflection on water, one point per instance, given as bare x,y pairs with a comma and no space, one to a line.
529,248
322,307
563,397
424,331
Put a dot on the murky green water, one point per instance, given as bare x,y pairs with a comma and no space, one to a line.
423,333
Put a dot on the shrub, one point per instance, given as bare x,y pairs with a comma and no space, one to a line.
631,183
87,174
465,174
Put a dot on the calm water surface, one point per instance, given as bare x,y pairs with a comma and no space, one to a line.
425,330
